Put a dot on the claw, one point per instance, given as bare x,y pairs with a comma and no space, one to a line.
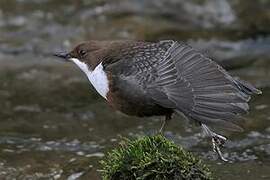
217,141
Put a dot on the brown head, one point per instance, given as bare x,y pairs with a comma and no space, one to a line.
92,53
85,52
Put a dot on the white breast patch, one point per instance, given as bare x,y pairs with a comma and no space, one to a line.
97,77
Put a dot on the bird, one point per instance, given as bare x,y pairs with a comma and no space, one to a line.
163,78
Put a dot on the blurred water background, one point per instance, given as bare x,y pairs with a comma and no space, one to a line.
53,126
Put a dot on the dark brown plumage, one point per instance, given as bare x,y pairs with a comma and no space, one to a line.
147,79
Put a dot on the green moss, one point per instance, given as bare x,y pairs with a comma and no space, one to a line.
149,158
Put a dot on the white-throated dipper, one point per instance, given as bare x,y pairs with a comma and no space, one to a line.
160,78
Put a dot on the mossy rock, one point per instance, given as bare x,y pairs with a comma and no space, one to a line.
149,158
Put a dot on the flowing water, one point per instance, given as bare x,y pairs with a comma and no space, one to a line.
54,126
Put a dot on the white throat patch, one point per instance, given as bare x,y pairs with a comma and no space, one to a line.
97,77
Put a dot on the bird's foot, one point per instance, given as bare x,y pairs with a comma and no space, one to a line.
217,141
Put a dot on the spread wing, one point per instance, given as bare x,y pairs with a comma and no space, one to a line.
183,79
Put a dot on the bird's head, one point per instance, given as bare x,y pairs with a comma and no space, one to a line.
84,55
89,57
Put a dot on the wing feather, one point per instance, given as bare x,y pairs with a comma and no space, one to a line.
201,89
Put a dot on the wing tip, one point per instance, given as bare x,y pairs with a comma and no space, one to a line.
247,87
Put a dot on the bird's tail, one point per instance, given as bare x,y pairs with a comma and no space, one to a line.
246,87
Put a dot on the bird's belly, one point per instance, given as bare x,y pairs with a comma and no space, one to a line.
134,102
136,108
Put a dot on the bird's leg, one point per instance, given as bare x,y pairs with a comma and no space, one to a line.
162,126
164,122
217,141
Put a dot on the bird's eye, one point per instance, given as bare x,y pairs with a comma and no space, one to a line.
82,52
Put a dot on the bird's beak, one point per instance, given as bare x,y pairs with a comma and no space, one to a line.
64,55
